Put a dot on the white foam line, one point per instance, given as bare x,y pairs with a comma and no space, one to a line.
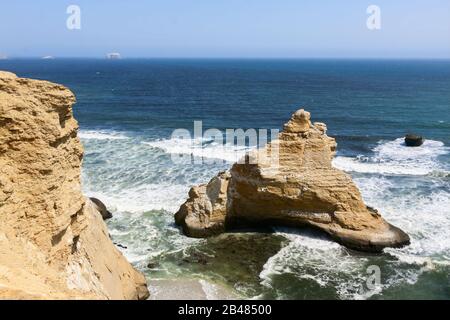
394,158
101,135
144,198
200,148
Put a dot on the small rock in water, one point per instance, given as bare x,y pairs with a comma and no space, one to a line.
413,140
152,265
120,245
101,208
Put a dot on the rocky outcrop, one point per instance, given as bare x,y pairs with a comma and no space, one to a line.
205,212
53,241
291,182
413,140
101,208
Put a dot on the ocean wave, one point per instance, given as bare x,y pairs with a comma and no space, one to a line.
146,236
313,258
101,135
203,148
439,174
127,177
142,198
309,256
131,177
394,158
422,212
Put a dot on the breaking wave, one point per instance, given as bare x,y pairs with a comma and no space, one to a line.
394,158
144,188
101,135
408,196
203,148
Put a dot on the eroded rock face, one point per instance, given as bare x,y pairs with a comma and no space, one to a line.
53,242
298,188
204,215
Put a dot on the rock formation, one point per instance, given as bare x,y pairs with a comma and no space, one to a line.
53,241
413,140
292,183
101,208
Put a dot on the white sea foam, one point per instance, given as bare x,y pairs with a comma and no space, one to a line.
144,198
211,290
201,148
394,158
424,215
146,236
328,264
359,165
312,257
101,135
123,176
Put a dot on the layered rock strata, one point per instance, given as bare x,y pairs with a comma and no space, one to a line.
53,241
290,182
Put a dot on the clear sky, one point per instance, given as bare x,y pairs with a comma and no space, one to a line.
226,28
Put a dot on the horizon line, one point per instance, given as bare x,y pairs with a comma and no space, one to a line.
220,58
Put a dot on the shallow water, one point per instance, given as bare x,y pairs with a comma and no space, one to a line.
128,109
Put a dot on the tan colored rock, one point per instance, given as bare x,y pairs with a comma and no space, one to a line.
298,188
53,242
7,75
204,215
299,122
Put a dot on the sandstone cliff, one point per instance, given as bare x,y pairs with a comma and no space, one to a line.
53,242
299,187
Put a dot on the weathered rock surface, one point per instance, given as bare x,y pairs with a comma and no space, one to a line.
205,213
53,241
298,188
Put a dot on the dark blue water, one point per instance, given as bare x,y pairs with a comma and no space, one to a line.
127,110
379,98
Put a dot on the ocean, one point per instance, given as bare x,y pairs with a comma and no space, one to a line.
127,110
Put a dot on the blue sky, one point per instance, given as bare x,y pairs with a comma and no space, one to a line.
227,28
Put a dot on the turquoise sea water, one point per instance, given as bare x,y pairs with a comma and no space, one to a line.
128,109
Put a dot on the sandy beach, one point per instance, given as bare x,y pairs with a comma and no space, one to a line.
188,289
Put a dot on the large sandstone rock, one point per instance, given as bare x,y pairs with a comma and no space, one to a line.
53,242
298,188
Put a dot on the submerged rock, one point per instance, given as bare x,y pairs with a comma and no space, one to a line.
293,183
413,140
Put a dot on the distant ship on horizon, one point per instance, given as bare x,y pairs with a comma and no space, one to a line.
113,56
48,58
3,56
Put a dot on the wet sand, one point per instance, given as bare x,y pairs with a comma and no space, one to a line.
188,289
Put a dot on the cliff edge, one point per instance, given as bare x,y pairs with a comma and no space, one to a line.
290,182
53,242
